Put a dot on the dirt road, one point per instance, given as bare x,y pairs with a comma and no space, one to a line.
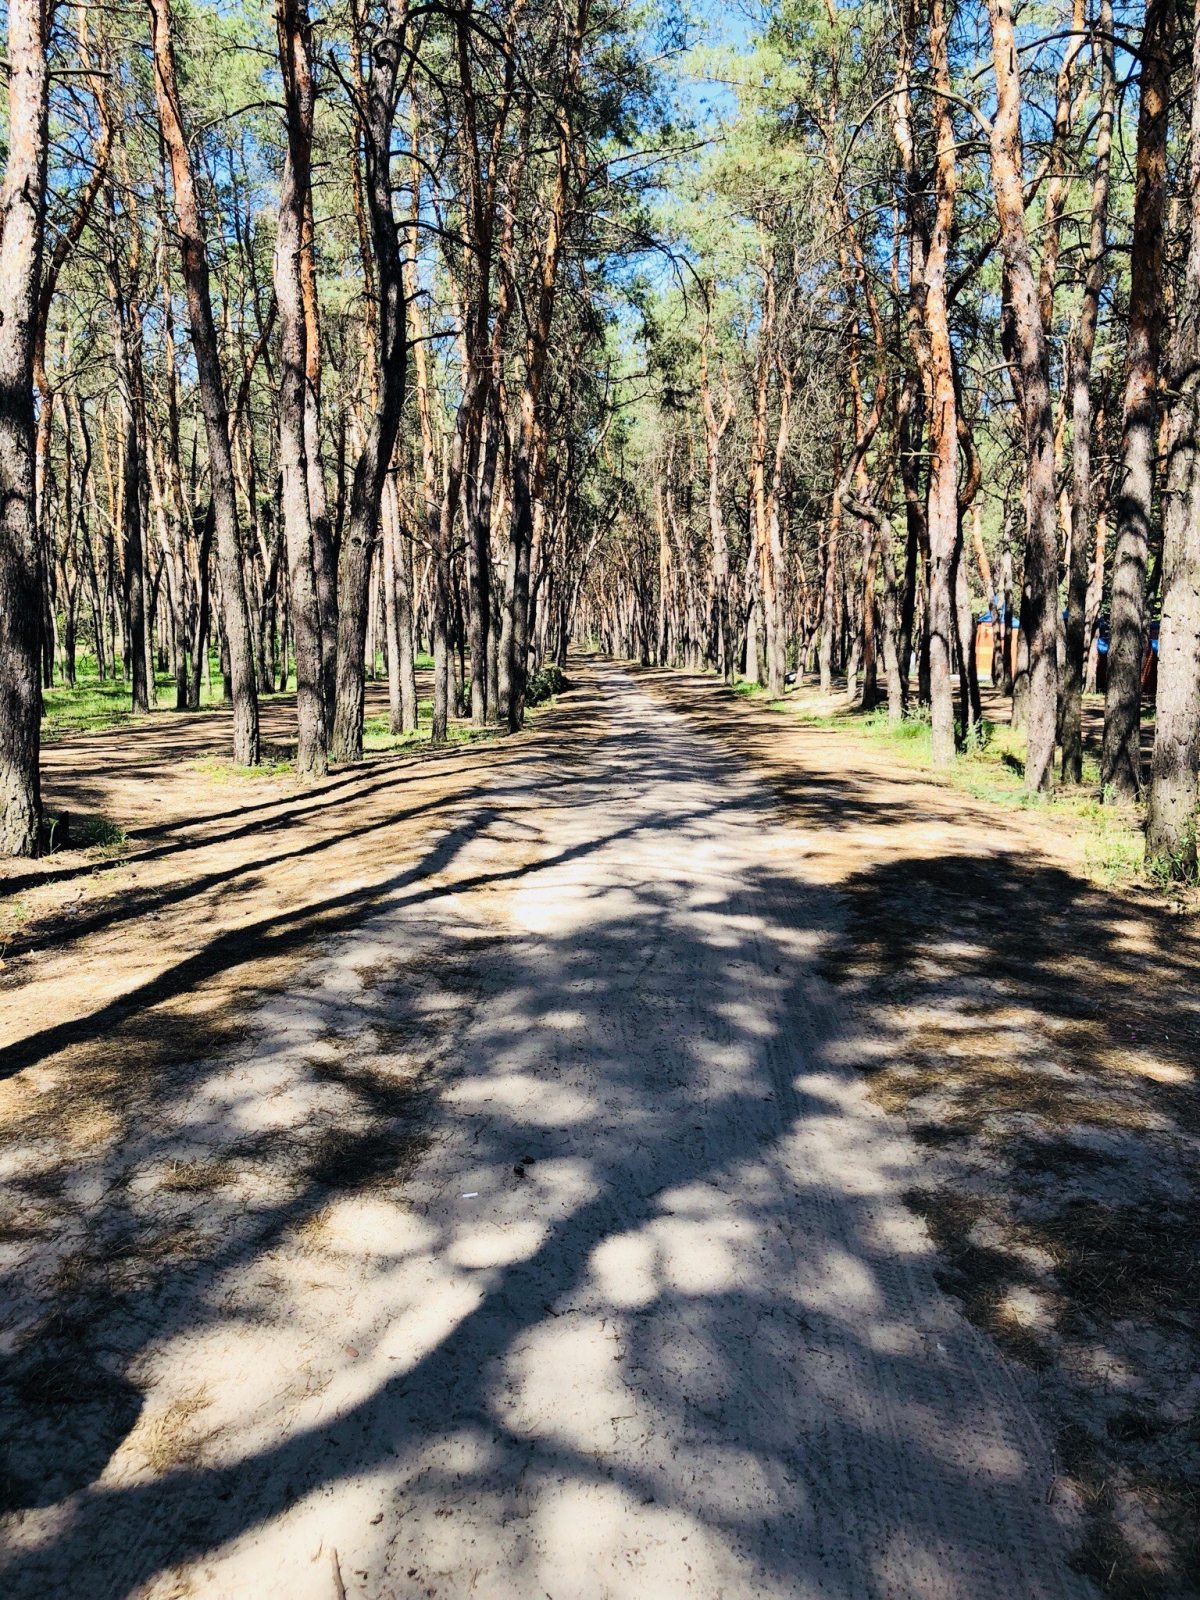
552,1248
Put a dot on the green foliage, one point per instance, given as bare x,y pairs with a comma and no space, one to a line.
548,681
98,833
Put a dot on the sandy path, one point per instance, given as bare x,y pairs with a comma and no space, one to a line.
645,1318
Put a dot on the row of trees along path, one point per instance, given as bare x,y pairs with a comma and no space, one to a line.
478,327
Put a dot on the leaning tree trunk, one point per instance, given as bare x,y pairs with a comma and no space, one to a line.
1172,800
194,256
370,472
1081,416
1121,760
22,223
1031,360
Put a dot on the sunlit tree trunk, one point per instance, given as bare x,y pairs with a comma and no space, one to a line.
714,431
1031,361
1081,416
513,662
312,758
1172,800
1121,761
370,472
324,560
194,257
942,514
22,220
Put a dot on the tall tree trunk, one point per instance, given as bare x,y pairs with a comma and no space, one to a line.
483,364
1175,771
525,455
370,471
1032,364
323,556
714,431
294,32
1081,415
968,673
1056,187
203,609
942,514
126,341
911,429
773,564
404,713
22,223
177,515
67,239
1094,601
194,257
1121,760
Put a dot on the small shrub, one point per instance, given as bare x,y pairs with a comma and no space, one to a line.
545,684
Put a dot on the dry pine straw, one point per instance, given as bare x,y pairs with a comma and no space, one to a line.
1040,1037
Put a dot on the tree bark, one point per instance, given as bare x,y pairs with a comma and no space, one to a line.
525,456
127,335
773,564
1121,760
294,34
942,515
370,472
1081,415
714,431
323,555
194,257
1175,770
22,224
1032,365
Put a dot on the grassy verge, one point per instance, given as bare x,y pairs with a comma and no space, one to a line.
992,768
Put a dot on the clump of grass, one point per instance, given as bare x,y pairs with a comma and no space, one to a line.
222,771
199,1177
98,833
168,1437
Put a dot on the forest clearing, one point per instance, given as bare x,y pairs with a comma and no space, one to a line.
599,791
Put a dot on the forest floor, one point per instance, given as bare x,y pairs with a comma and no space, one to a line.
683,1149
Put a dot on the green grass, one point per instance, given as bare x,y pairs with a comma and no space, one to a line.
378,738
222,771
95,707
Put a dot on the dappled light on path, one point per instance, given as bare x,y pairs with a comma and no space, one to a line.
543,1242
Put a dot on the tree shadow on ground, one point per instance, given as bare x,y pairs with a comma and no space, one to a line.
731,1213
1043,1038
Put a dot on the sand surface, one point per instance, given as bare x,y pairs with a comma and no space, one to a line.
553,1248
